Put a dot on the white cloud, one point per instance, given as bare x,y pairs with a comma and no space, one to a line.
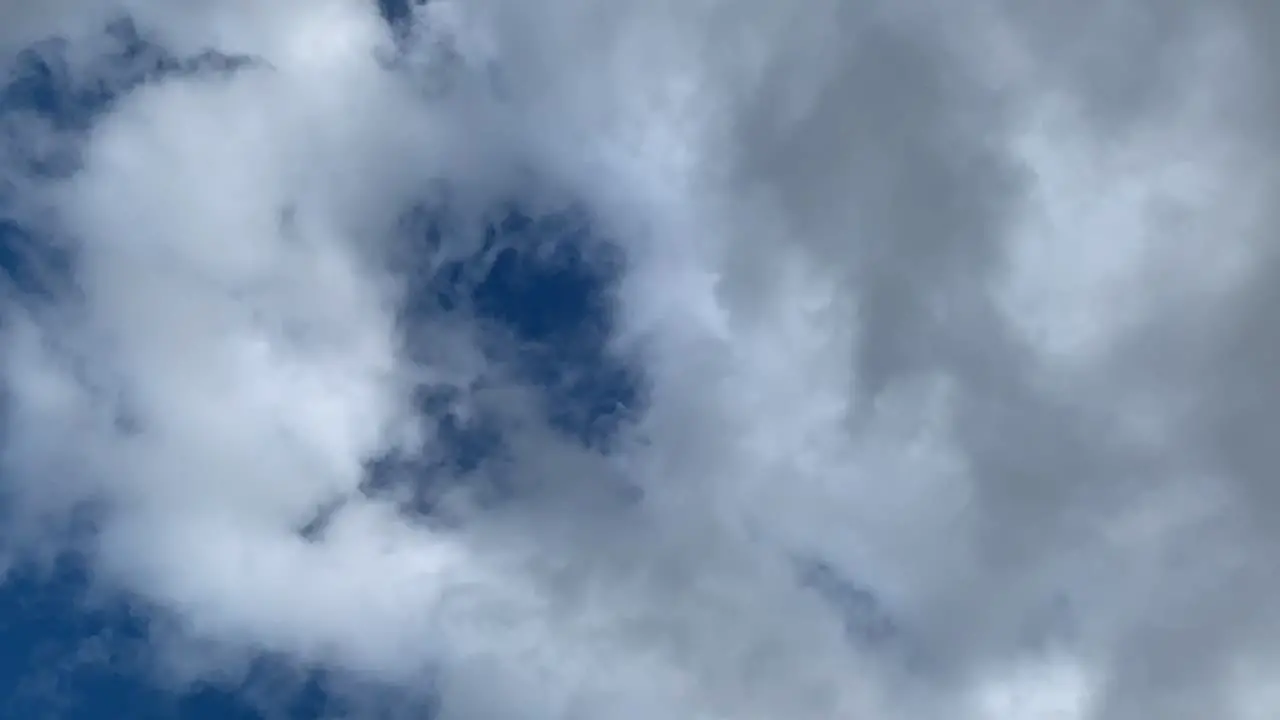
912,295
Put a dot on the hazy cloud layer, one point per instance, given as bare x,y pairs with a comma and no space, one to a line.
920,363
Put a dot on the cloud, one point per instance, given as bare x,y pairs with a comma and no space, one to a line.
936,350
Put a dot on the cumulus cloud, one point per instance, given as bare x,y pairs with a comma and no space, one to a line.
936,348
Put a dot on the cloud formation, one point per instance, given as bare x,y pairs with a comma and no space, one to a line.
921,355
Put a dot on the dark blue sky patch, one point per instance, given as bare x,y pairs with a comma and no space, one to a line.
68,655
65,657
554,303
397,13
539,287
545,297
426,484
44,95
42,84
29,267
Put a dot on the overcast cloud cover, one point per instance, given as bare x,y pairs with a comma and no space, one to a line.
943,340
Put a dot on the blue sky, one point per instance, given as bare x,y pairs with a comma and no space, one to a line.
63,659
571,359
544,288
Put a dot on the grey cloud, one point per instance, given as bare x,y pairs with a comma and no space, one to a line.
902,176
822,210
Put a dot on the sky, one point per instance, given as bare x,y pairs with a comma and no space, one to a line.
585,360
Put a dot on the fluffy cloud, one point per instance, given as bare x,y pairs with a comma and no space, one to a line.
948,329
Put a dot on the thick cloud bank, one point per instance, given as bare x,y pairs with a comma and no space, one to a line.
657,359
